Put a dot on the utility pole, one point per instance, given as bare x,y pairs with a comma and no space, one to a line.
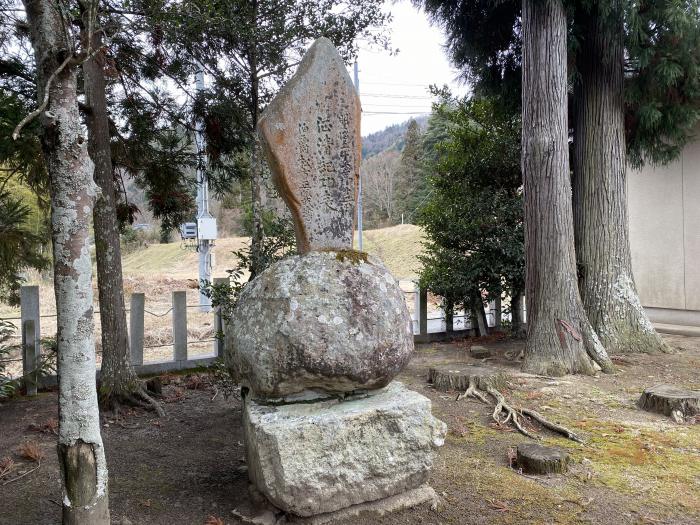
206,224
359,182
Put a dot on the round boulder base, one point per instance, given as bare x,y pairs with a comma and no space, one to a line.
457,377
677,403
538,459
327,321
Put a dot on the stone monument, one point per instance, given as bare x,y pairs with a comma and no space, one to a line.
317,339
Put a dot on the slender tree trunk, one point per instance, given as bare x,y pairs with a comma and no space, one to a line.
80,449
479,314
449,307
258,233
560,340
117,378
516,314
599,189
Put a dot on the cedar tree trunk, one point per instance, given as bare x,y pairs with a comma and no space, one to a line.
80,450
599,188
560,340
117,378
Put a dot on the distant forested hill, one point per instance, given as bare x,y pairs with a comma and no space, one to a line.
390,138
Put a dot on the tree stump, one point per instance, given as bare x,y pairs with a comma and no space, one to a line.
457,377
538,459
479,352
677,403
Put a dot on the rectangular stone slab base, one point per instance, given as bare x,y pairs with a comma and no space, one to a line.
309,459
374,509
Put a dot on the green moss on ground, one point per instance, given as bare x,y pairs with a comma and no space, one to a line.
663,466
652,472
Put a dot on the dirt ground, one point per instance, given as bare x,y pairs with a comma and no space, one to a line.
635,468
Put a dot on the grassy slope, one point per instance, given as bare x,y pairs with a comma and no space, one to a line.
397,246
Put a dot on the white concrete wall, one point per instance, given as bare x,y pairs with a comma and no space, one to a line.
664,216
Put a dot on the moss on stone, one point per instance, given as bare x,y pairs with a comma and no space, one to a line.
352,256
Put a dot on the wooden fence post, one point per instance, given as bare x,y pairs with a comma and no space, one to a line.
29,311
423,314
31,357
219,325
416,305
180,325
136,327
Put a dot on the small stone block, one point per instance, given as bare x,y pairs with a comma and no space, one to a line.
479,352
315,458
155,386
538,459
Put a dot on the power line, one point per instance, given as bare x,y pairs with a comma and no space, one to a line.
372,113
395,84
383,107
387,95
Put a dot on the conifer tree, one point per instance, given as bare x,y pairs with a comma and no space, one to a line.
411,186
248,49
649,115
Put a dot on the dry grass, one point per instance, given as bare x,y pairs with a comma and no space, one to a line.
31,451
7,464
50,426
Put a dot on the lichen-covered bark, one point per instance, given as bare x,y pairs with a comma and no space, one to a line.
117,378
81,454
560,339
599,189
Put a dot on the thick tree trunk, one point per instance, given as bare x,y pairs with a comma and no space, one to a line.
560,340
599,189
80,450
117,378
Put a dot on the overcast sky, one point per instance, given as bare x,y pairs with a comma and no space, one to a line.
394,88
